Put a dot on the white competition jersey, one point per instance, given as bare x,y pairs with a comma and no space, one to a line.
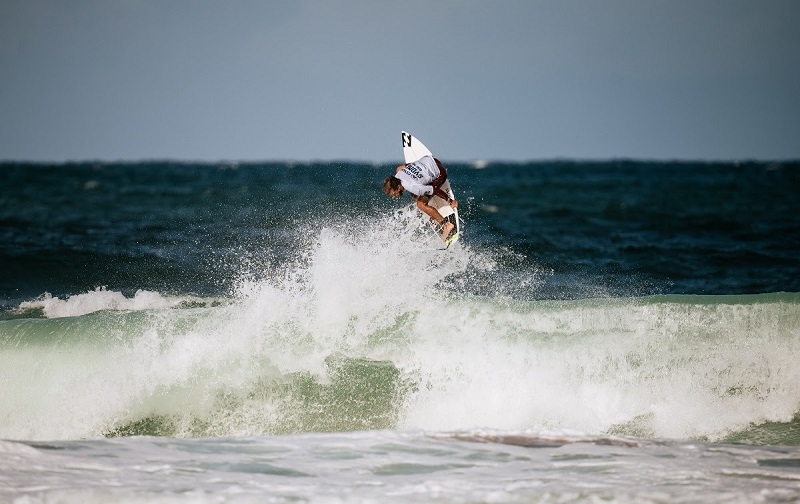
416,177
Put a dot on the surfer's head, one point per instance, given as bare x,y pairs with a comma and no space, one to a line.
392,186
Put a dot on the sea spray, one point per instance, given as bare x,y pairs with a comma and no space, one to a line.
358,337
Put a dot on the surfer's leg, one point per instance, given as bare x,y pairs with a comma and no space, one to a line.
447,226
447,229
422,204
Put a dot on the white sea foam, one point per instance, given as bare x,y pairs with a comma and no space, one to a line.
398,467
653,367
101,299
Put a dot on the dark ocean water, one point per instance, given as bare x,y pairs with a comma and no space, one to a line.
613,228
624,331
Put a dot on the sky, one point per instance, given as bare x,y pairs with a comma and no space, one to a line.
244,80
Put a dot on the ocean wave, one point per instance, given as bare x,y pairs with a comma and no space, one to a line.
312,355
103,299
364,332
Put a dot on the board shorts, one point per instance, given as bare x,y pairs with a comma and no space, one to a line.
438,181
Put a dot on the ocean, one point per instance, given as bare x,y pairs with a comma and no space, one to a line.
618,331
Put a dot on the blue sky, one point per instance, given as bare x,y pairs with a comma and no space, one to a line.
333,80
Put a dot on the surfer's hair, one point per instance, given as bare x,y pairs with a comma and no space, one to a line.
390,184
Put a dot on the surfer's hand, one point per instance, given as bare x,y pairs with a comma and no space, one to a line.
453,204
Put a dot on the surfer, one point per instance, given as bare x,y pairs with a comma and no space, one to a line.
422,179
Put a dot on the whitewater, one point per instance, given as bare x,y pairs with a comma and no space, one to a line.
352,361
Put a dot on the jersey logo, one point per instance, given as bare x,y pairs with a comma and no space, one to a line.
406,140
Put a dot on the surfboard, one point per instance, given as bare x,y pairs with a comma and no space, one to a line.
413,149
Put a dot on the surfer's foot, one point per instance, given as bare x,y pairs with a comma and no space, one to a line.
447,229
453,237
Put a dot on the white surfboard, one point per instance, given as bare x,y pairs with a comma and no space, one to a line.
413,149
